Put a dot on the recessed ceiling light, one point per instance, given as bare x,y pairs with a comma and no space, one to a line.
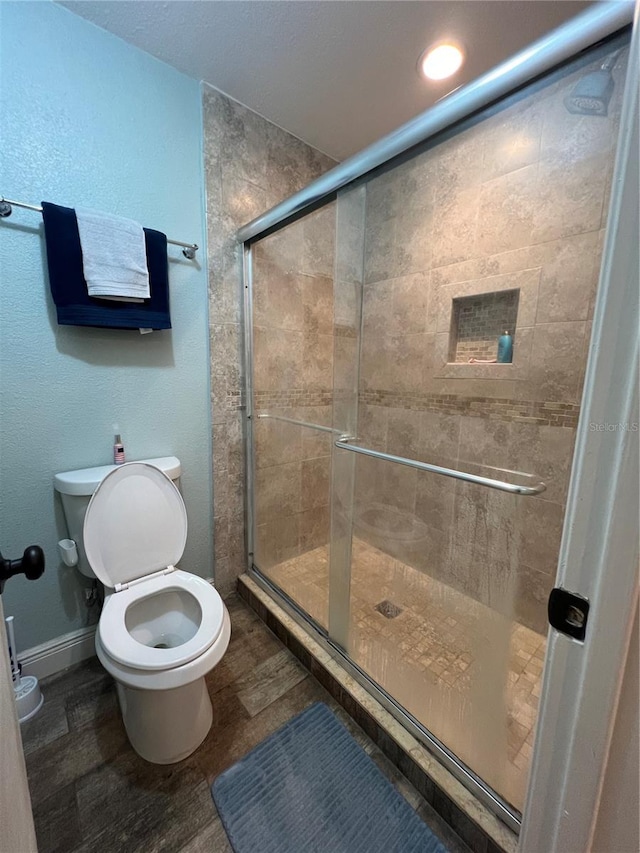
441,60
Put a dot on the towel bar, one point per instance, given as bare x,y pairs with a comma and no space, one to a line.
513,488
6,204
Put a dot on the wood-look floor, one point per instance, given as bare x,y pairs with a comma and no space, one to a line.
90,791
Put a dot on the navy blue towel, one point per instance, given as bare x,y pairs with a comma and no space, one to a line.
73,304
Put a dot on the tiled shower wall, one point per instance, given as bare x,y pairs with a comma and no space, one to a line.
518,201
250,165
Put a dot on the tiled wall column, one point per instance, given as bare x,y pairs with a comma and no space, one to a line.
250,165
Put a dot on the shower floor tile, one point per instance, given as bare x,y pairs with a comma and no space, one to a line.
90,791
443,657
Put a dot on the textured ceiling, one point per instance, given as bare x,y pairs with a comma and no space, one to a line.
337,74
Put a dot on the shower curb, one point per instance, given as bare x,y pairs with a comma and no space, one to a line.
478,827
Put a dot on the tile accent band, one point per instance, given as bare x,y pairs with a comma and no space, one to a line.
539,412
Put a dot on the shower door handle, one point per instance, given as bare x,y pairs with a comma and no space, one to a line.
568,613
465,476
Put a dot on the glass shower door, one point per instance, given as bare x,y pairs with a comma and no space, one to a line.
433,593
495,228
396,464
293,344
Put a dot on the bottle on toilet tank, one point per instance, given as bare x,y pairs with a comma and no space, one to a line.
118,450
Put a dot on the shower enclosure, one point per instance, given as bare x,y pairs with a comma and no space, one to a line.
406,491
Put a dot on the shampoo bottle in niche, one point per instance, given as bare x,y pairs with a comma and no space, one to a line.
118,451
505,348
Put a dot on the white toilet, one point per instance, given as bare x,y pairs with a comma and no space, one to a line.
161,629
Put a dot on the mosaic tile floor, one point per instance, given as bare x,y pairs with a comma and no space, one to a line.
468,674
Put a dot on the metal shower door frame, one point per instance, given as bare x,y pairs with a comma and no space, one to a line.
595,24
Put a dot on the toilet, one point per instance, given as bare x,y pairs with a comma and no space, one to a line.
162,629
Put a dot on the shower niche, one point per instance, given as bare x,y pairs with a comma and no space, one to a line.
477,322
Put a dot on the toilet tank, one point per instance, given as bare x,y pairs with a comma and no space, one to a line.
76,488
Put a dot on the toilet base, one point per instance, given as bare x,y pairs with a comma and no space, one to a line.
165,726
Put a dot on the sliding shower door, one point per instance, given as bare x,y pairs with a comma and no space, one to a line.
409,488
292,386
494,229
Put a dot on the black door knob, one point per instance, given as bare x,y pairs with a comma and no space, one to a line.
31,564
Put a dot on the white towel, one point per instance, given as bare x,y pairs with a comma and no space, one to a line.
114,259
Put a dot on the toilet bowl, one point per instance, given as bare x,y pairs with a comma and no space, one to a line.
161,629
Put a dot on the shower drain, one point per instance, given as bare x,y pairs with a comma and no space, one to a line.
388,609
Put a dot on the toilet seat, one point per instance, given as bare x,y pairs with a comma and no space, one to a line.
135,530
168,679
118,643
135,525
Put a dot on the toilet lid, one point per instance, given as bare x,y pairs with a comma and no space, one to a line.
135,524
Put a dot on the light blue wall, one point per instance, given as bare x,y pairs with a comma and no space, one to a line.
86,119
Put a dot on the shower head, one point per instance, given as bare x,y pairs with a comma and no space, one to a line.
591,94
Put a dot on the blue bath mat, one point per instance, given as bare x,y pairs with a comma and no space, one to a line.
309,788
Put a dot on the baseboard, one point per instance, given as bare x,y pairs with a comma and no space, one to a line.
58,654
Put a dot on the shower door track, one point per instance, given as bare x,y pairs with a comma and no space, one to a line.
448,759
596,24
